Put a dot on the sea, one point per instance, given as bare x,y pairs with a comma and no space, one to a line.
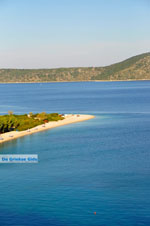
92,173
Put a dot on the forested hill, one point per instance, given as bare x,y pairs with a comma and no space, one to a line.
137,67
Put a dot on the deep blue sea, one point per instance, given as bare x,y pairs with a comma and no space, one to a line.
101,165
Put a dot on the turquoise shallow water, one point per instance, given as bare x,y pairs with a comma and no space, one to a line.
100,165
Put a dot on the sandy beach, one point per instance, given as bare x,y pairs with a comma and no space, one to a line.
68,119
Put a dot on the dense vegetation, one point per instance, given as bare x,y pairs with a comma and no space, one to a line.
23,122
137,67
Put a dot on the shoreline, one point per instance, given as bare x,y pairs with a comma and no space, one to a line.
128,80
69,119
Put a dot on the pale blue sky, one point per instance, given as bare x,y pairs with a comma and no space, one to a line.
68,33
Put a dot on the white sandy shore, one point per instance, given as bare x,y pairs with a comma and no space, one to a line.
67,120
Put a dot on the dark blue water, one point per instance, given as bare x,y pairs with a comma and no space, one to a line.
101,165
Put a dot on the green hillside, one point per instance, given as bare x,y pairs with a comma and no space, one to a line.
137,67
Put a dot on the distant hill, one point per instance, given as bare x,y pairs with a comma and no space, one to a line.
137,67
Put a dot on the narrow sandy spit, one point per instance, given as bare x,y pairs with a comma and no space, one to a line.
67,120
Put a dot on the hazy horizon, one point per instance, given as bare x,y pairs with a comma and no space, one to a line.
66,67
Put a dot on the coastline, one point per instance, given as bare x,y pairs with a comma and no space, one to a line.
127,80
69,119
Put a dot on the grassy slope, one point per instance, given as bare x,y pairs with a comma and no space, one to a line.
137,67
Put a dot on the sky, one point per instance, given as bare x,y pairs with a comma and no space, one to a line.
72,33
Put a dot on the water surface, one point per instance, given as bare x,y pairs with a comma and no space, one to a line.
100,165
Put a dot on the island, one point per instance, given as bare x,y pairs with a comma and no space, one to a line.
15,126
133,68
